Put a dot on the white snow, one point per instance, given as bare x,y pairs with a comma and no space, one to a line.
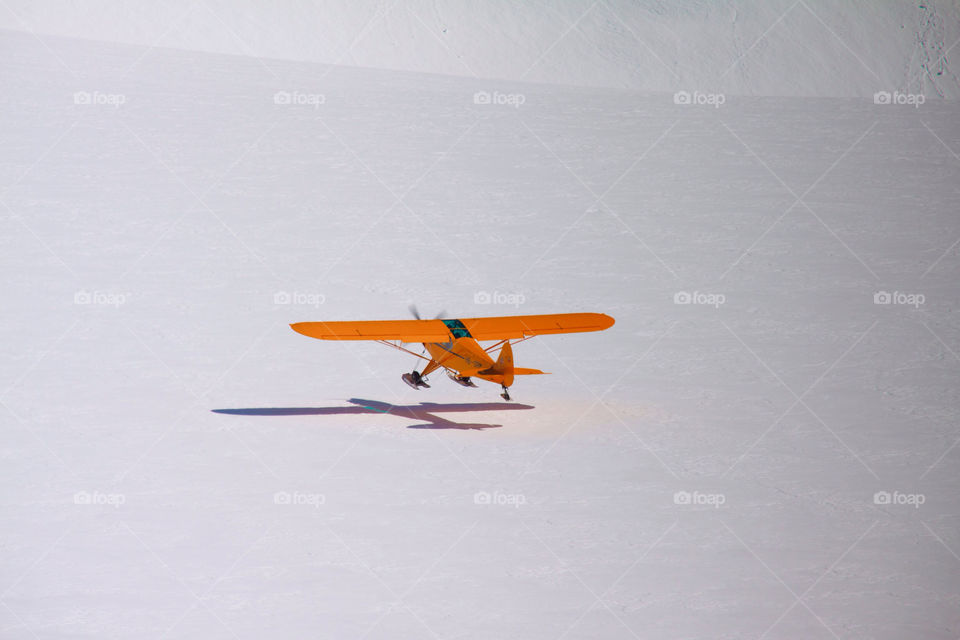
177,462
775,47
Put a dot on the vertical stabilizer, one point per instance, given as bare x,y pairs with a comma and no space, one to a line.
504,364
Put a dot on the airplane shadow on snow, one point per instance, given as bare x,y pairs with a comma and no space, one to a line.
425,412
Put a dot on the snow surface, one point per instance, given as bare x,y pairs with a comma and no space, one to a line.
775,47
178,463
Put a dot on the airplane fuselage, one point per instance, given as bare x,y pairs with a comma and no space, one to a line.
465,355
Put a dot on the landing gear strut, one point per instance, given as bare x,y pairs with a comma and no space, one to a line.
415,380
461,380
505,395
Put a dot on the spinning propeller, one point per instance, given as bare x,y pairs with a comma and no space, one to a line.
416,314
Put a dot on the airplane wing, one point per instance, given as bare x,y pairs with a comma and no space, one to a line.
491,328
403,330
512,327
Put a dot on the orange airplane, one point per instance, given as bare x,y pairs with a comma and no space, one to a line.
453,344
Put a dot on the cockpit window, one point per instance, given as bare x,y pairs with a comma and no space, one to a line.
457,329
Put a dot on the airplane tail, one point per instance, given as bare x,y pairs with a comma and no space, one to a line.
503,370
504,364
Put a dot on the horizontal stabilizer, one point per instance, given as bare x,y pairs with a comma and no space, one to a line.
525,371
518,371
